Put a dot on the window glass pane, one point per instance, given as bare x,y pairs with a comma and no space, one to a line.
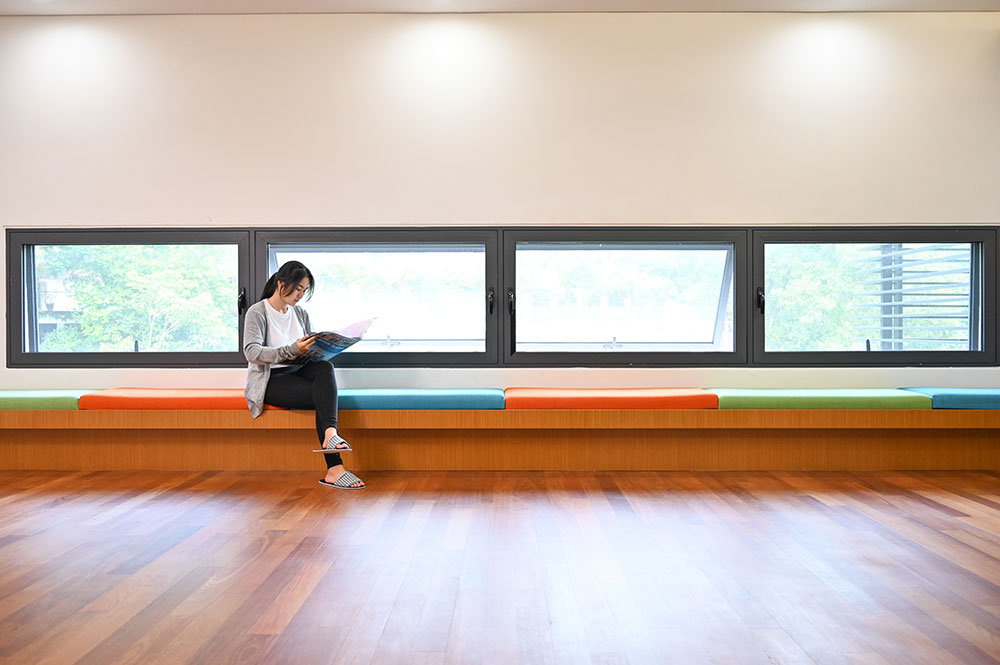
155,298
426,297
613,297
863,296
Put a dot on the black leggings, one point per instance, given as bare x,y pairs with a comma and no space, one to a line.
310,386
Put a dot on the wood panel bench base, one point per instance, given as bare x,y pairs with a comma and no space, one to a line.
506,449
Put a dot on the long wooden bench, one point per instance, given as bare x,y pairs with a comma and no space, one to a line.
495,439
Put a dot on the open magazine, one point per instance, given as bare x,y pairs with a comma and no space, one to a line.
330,343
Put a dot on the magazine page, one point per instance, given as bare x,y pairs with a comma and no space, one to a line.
356,329
331,342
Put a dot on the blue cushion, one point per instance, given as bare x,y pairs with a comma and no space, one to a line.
421,398
962,398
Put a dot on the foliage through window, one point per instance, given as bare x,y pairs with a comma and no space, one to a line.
135,298
871,297
547,297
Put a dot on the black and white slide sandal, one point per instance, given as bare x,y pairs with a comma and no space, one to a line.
332,442
344,482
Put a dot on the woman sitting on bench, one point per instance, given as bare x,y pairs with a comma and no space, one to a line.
277,330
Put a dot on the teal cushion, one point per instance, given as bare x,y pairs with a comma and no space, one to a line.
40,400
820,398
962,398
421,398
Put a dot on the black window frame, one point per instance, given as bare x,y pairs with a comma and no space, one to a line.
739,239
489,236
500,280
987,282
20,293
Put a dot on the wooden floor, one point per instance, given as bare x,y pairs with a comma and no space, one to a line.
867,568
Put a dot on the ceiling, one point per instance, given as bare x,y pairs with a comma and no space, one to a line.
84,7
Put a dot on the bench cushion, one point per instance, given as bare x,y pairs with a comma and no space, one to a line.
610,398
232,398
820,398
962,398
154,399
421,398
40,400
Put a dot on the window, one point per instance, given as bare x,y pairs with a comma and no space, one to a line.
429,291
516,297
141,298
875,297
623,296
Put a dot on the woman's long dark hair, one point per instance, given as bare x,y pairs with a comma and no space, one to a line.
290,274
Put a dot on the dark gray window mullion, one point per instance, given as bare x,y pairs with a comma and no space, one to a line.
261,269
491,284
246,282
30,309
976,297
507,296
985,297
742,288
755,320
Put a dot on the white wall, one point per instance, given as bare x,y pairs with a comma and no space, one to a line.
672,119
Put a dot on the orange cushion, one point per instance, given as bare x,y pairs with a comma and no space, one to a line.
165,398
610,398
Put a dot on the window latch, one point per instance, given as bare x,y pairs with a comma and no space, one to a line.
489,300
760,299
241,301
510,301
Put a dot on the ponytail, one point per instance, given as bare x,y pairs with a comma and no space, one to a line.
269,287
289,274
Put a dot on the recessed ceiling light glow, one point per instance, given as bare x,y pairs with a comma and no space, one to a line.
825,60
442,62
68,64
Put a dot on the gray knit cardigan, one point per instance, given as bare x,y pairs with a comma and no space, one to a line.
262,357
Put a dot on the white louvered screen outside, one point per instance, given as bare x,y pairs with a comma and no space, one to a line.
918,297
842,296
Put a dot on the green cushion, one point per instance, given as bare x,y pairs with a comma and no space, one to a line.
40,400
820,398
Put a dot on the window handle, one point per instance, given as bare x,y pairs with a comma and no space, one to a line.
510,301
489,300
760,299
241,301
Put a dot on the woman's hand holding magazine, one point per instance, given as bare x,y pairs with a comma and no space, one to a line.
325,345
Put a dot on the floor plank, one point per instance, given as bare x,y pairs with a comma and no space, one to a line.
735,568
